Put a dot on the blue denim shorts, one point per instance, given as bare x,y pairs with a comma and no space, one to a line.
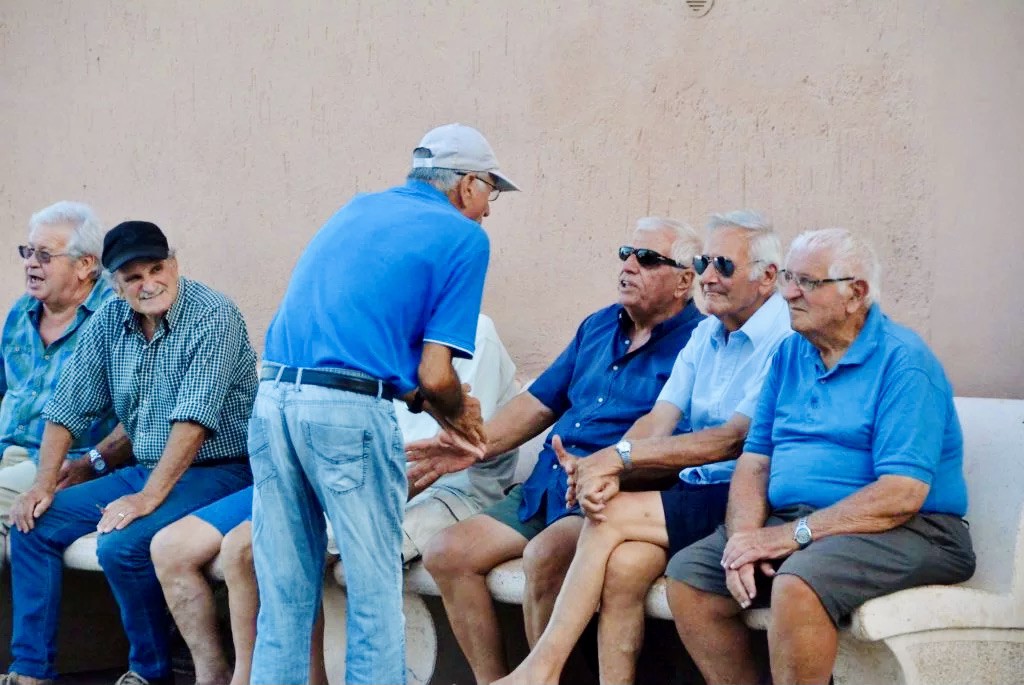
226,514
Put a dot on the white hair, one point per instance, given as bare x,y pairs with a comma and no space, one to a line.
86,232
685,242
443,179
763,244
849,256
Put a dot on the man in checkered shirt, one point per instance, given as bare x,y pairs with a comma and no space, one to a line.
172,358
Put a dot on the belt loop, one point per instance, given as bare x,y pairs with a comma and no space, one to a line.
380,389
277,378
298,379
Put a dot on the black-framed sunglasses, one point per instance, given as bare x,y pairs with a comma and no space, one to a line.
723,265
43,256
647,258
494,194
808,284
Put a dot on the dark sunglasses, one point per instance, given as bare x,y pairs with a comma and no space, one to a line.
723,265
42,256
647,258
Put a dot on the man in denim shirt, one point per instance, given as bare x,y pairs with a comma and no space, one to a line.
62,290
608,377
172,358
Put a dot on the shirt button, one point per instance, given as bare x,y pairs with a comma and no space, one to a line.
822,381
600,399
46,357
21,428
577,424
615,368
554,467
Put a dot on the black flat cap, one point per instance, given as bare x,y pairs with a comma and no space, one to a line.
131,240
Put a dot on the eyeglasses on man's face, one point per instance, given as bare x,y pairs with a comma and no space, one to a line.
648,258
806,284
43,256
723,265
494,194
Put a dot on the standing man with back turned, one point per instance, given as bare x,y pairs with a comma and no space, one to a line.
383,298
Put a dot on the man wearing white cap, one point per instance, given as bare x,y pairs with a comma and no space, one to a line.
385,295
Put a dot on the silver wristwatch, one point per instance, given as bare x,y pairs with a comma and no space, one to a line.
625,450
802,535
98,463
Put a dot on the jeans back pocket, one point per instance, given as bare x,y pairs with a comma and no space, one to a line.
341,454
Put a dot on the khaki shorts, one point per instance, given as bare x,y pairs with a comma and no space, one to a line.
17,473
428,514
846,570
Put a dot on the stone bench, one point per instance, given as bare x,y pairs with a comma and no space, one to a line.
972,632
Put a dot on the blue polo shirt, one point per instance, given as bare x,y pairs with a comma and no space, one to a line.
388,272
886,408
719,374
597,389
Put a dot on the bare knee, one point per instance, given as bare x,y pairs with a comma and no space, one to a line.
446,554
236,553
792,593
690,605
545,563
171,552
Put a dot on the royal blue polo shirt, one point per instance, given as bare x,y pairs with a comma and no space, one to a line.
886,408
597,389
388,272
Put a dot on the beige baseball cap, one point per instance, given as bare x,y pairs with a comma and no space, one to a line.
461,148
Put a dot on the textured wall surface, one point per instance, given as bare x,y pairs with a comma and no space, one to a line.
240,125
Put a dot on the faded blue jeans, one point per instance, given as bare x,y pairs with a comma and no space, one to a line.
37,564
317,450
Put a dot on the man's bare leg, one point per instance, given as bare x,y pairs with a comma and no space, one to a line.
180,552
546,560
459,558
632,569
630,516
243,597
713,633
317,664
802,639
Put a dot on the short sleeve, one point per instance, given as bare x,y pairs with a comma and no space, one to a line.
453,321
910,425
678,389
552,386
759,437
753,386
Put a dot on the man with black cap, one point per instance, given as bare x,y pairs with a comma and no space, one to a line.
385,295
172,358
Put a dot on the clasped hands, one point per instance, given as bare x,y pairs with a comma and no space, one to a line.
750,550
592,480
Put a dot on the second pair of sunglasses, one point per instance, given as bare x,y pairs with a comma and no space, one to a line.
647,258
723,265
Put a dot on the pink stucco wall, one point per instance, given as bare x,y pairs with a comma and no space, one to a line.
240,125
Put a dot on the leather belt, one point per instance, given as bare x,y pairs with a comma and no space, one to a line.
326,379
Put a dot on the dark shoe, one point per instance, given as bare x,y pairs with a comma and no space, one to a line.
133,678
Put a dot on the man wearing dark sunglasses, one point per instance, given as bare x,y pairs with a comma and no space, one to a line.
62,291
713,388
608,376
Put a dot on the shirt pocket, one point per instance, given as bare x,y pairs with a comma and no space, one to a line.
341,454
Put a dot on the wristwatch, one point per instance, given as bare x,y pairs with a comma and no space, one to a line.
625,450
802,535
98,463
415,405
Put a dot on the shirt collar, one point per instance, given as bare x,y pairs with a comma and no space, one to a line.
683,317
427,192
867,340
761,324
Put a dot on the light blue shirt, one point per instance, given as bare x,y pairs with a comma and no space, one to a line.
719,374
885,408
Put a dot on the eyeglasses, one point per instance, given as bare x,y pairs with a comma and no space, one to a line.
44,256
494,194
723,265
808,284
647,258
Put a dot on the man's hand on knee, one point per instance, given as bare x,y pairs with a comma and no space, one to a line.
123,510
29,506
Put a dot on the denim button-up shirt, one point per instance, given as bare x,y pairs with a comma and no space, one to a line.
30,370
598,388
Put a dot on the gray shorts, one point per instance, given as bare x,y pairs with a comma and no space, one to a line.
846,570
507,511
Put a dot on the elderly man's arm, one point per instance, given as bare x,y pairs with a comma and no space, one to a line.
32,503
115,448
182,447
444,396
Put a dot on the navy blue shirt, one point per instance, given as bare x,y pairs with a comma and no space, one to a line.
598,388
388,272
885,408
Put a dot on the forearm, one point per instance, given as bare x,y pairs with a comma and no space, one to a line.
521,419
883,505
56,442
748,494
116,448
182,446
689,449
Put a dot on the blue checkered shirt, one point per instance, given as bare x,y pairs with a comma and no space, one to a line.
29,371
199,367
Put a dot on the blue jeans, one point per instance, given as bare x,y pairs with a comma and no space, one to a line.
36,564
317,450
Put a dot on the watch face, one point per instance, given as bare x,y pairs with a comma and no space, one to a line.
803,535
623,446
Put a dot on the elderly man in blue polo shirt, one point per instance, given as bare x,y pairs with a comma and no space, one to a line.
850,485
608,377
382,299
715,383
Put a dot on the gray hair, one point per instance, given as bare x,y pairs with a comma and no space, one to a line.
850,256
443,179
86,232
686,243
172,253
763,242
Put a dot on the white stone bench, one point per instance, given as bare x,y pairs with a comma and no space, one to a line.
972,632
